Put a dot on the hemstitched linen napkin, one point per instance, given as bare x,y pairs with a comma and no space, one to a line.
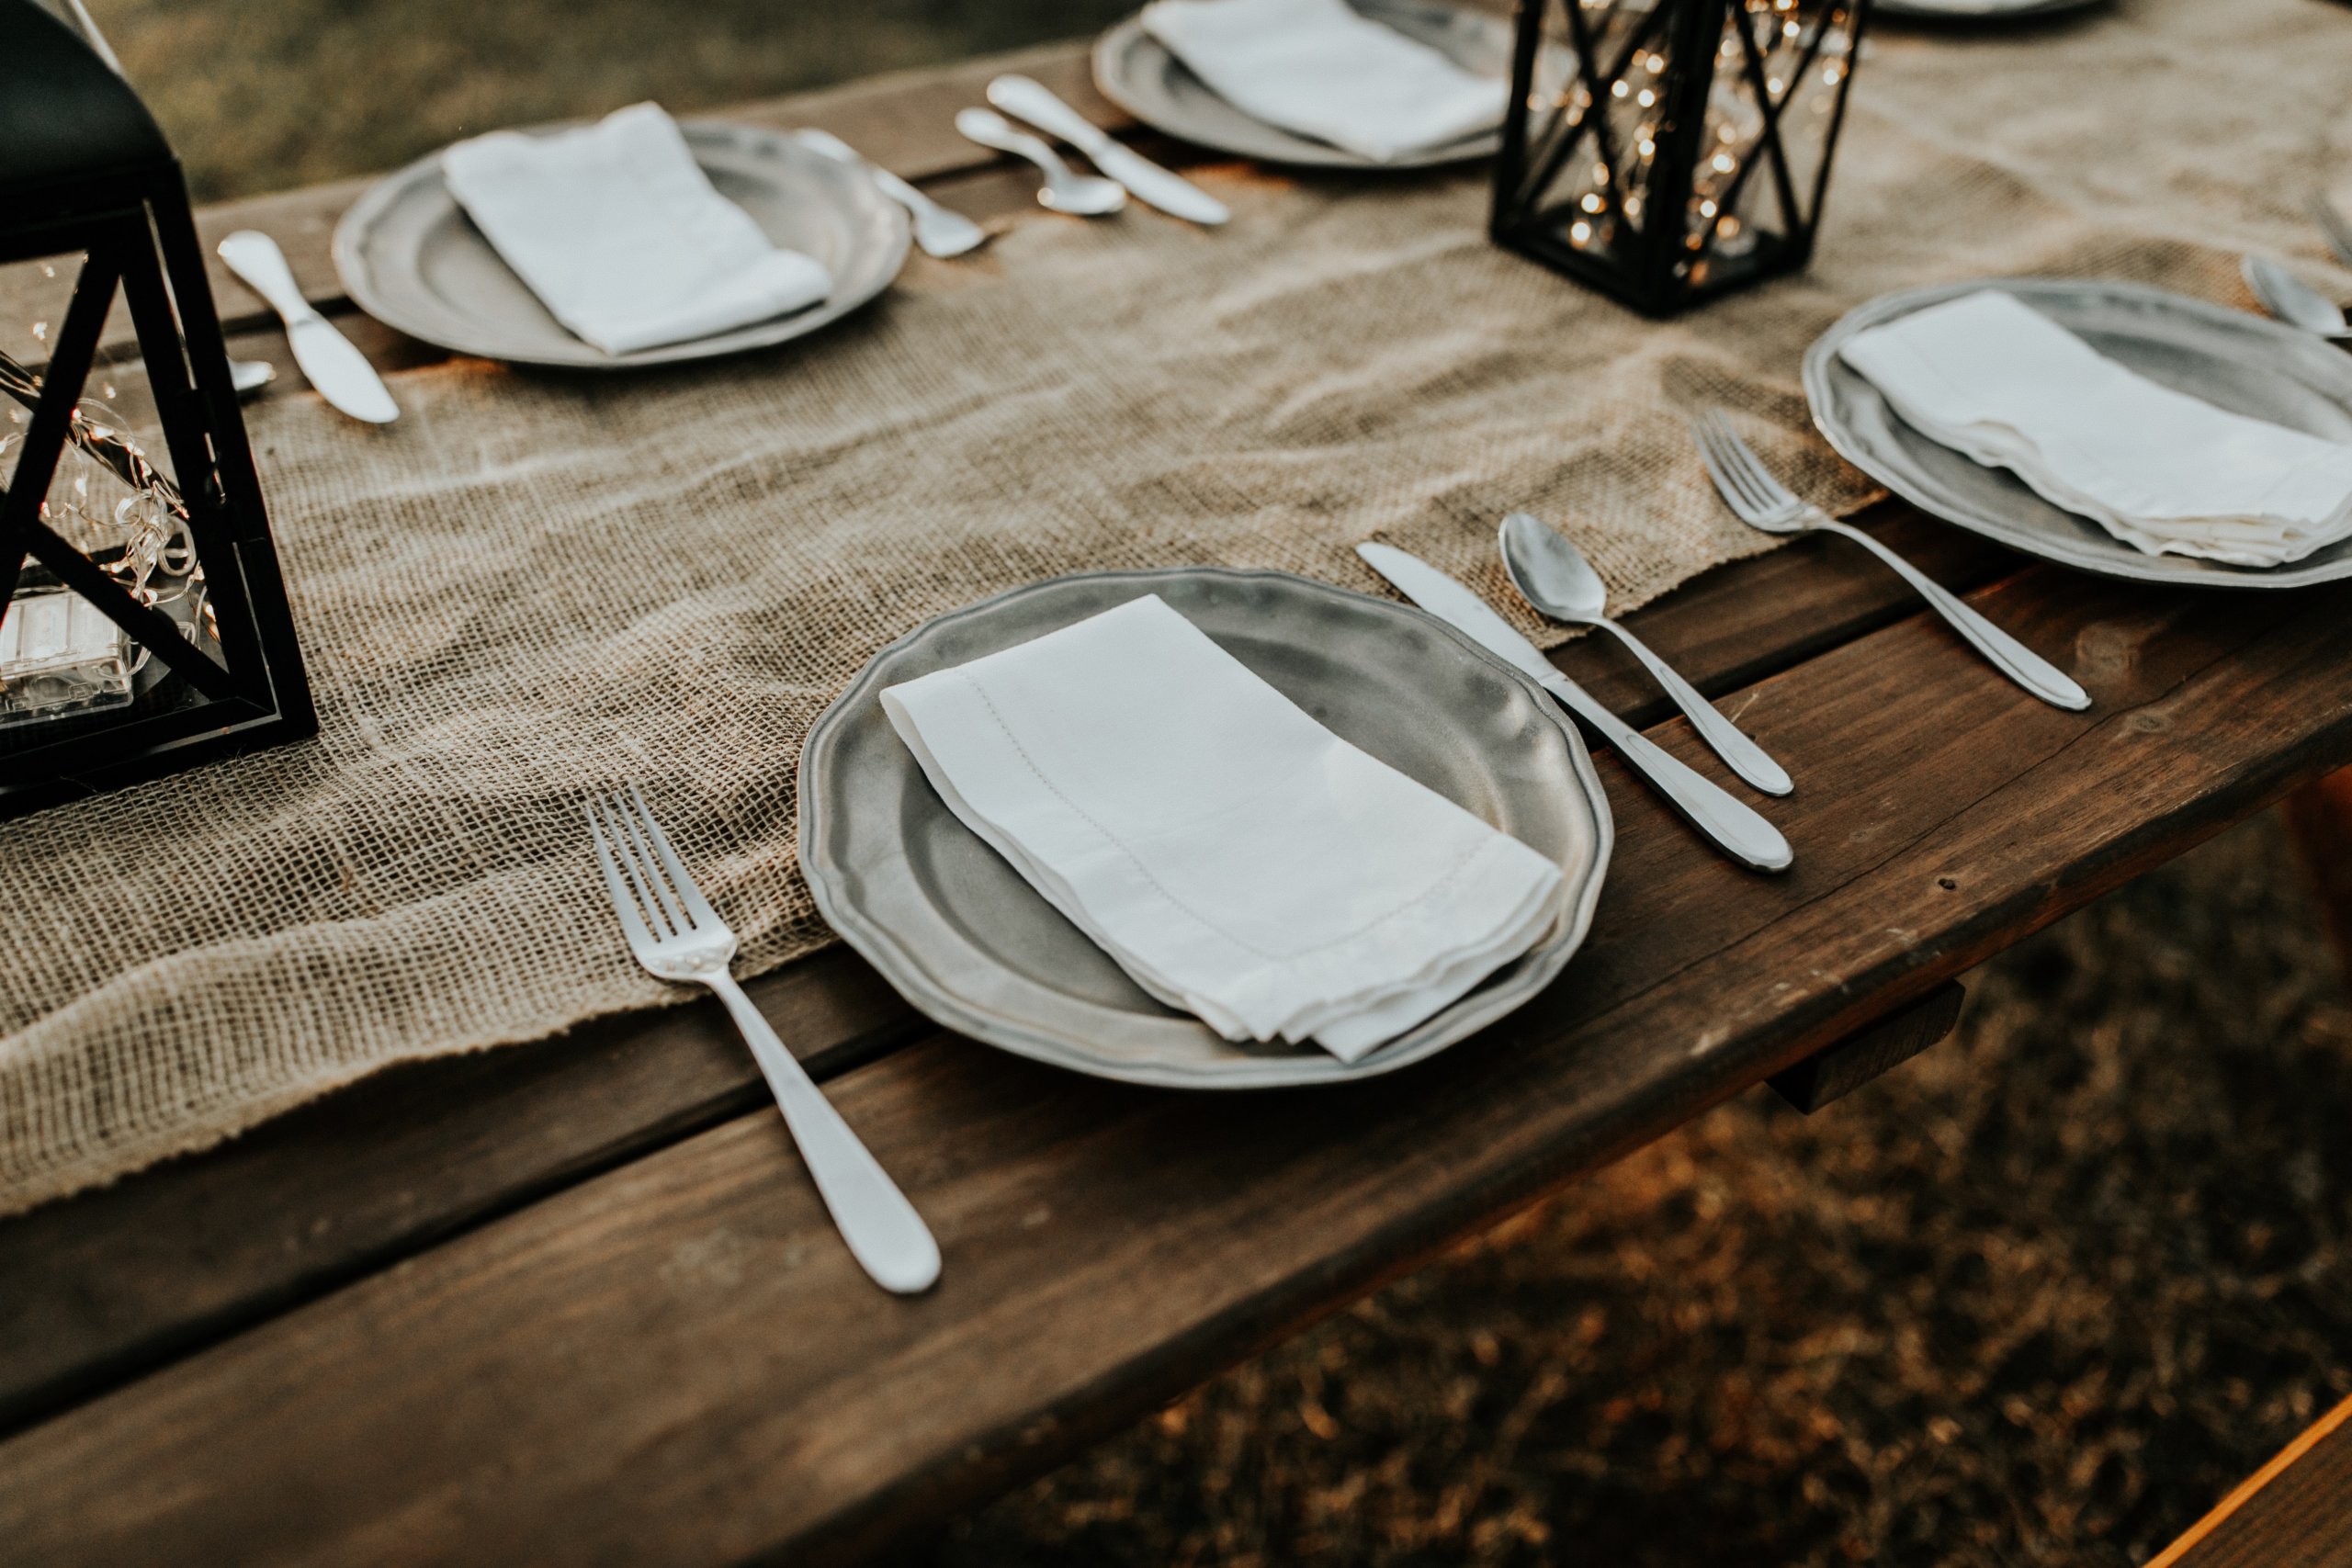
1989,376
1320,68
619,232
1237,859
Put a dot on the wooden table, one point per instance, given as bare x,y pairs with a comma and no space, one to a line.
576,1302
2295,1512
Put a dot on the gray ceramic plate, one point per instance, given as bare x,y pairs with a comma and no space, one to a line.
1996,11
410,257
956,930
1136,72
2247,364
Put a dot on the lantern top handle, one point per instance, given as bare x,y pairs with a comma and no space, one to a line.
64,112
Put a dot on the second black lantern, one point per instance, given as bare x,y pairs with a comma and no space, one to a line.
143,624
1686,147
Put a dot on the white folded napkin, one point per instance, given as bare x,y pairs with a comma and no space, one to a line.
1991,377
1237,859
617,230
1319,68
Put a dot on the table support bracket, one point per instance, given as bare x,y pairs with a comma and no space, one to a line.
1836,1071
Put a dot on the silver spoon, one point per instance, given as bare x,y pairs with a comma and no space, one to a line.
2292,300
939,231
1554,575
1065,190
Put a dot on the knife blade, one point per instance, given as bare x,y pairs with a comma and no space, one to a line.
339,371
1735,828
1027,99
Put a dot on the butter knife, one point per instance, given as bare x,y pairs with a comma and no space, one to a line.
339,371
1027,99
1735,828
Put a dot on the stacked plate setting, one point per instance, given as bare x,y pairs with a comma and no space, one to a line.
2231,359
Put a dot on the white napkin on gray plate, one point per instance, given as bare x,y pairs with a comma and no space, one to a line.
1991,377
1237,859
617,230
1321,69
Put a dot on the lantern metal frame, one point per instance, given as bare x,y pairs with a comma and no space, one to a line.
1649,263
125,209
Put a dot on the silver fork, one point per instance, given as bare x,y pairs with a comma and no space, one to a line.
2337,227
677,936
1763,502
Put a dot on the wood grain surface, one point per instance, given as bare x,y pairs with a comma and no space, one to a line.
677,1357
2295,1512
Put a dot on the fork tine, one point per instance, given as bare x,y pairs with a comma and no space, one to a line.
1708,429
1761,479
634,868
624,902
2338,227
641,872
637,851
2257,271
679,878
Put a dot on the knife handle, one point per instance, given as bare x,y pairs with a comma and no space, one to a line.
1737,829
254,257
1030,99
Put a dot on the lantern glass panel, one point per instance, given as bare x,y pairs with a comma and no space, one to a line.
1687,151
112,497
128,496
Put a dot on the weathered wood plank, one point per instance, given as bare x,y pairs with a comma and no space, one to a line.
1836,1071
2295,1512
113,1281
677,1361
176,1258
2320,815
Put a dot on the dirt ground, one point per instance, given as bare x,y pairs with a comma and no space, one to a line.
2039,1297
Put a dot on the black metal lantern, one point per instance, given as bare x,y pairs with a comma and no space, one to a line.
1686,147
146,626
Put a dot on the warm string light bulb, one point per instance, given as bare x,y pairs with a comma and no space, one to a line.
1767,54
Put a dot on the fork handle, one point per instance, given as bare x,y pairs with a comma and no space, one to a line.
2012,658
1744,756
884,1233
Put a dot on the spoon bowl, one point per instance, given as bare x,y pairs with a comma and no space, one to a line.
940,231
1551,573
2292,300
1065,190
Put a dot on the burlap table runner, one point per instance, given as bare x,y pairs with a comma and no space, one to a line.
533,585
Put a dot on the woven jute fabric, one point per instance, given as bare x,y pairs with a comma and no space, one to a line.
533,585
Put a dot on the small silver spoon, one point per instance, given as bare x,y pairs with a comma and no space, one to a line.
1065,190
1554,575
940,233
2292,300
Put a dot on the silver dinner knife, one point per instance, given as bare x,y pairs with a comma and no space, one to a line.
338,370
1735,828
1027,99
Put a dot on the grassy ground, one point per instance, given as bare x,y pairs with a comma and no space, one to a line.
260,94
2037,1298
